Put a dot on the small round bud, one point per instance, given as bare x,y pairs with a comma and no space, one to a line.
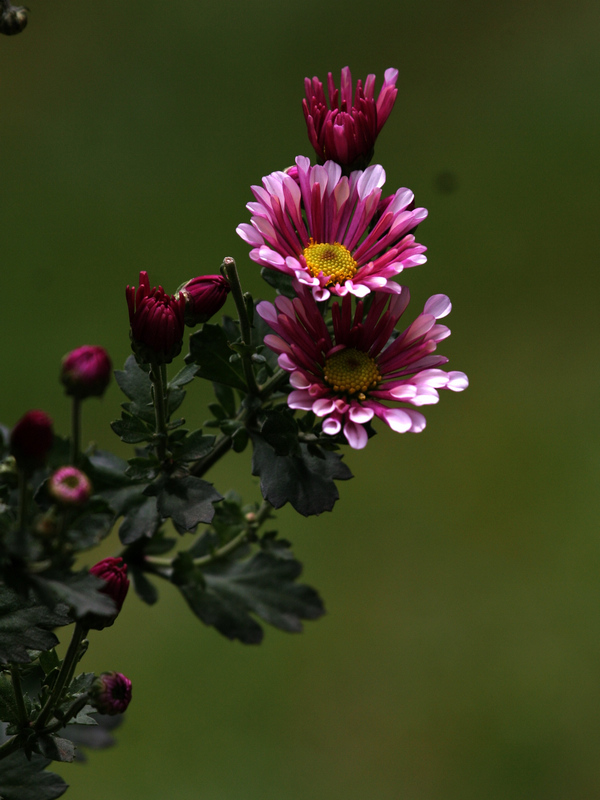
31,440
111,693
85,372
204,296
13,20
156,320
70,487
113,571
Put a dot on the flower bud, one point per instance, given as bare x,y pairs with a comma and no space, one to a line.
70,487
13,20
86,371
31,440
156,320
114,574
204,296
111,693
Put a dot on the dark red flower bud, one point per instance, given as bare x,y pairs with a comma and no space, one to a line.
345,130
111,693
156,320
70,487
86,371
113,571
204,296
31,440
13,19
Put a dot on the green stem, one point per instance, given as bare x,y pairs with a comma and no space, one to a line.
245,327
75,430
158,377
64,676
229,547
18,692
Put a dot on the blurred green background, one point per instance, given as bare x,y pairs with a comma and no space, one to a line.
460,657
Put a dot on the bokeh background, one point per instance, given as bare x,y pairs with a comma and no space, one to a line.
460,657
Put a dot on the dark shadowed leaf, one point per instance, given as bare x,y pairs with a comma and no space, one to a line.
21,779
304,480
26,624
81,592
135,383
187,501
209,349
144,588
142,520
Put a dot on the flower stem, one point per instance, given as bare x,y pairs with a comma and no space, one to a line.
245,327
64,676
75,430
158,378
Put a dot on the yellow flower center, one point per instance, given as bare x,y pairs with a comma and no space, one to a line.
333,260
352,371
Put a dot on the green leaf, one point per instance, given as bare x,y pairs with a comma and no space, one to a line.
49,661
226,593
140,520
81,592
144,588
56,748
280,430
210,349
278,280
106,469
187,501
194,446
89,529
135,383
184,376
304,480
26,625
21,779
226,398
131,429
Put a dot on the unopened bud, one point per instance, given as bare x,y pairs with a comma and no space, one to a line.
31,440
111,693
85,372
113,571
204,296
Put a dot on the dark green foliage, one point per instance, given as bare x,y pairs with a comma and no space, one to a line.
305,480
210,350
187,501
226,593
26,624
23,779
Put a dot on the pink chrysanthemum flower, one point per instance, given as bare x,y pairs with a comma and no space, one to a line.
345,130
70,487
314,226
348,377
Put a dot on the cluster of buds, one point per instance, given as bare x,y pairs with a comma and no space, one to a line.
157,319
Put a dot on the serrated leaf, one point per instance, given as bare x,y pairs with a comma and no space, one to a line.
227,593
55,747
26,625
135,383
107,469
131,429
89,529
81,592
226,398
96,737
187,501
209,349
184,376
304,480
278,280
21,779
142,520
280,430
194,446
